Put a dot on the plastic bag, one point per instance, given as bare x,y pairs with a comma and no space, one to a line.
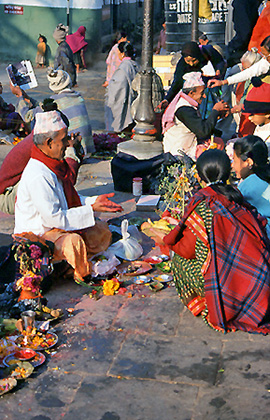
105,265
135,233
132,230
127,248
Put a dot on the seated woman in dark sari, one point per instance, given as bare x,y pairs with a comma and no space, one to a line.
221,263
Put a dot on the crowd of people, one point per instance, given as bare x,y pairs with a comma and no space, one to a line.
221,247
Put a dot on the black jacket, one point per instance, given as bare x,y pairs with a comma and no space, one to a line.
245,16
208,53
203,129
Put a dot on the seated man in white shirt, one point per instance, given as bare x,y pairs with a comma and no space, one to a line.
49,206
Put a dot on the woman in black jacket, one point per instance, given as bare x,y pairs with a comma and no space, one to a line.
194,57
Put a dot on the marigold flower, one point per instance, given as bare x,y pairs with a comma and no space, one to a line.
110,287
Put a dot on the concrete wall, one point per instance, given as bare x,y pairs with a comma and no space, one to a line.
19,32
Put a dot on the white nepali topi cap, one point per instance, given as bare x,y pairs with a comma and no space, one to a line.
193,79
48,121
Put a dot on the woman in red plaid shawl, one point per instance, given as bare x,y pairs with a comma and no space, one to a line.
222,259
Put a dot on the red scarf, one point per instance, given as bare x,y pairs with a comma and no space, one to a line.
63,173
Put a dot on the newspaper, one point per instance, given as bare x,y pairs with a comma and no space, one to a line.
22,75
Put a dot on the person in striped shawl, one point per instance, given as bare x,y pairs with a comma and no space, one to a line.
69,102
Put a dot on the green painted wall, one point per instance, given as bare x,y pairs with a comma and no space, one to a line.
19,33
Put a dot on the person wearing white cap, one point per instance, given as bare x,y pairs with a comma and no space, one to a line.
70,102
183,127
49,206
16,160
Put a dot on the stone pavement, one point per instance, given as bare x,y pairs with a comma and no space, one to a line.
143,357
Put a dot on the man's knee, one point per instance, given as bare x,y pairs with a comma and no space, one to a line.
73,240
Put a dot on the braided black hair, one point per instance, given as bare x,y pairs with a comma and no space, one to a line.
214,168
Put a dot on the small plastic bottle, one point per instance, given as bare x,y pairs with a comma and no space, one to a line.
137,187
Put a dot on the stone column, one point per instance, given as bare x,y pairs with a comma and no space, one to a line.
144,145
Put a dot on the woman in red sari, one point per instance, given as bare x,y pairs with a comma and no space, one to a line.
221,263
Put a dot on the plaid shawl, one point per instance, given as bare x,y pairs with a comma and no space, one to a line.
237,281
